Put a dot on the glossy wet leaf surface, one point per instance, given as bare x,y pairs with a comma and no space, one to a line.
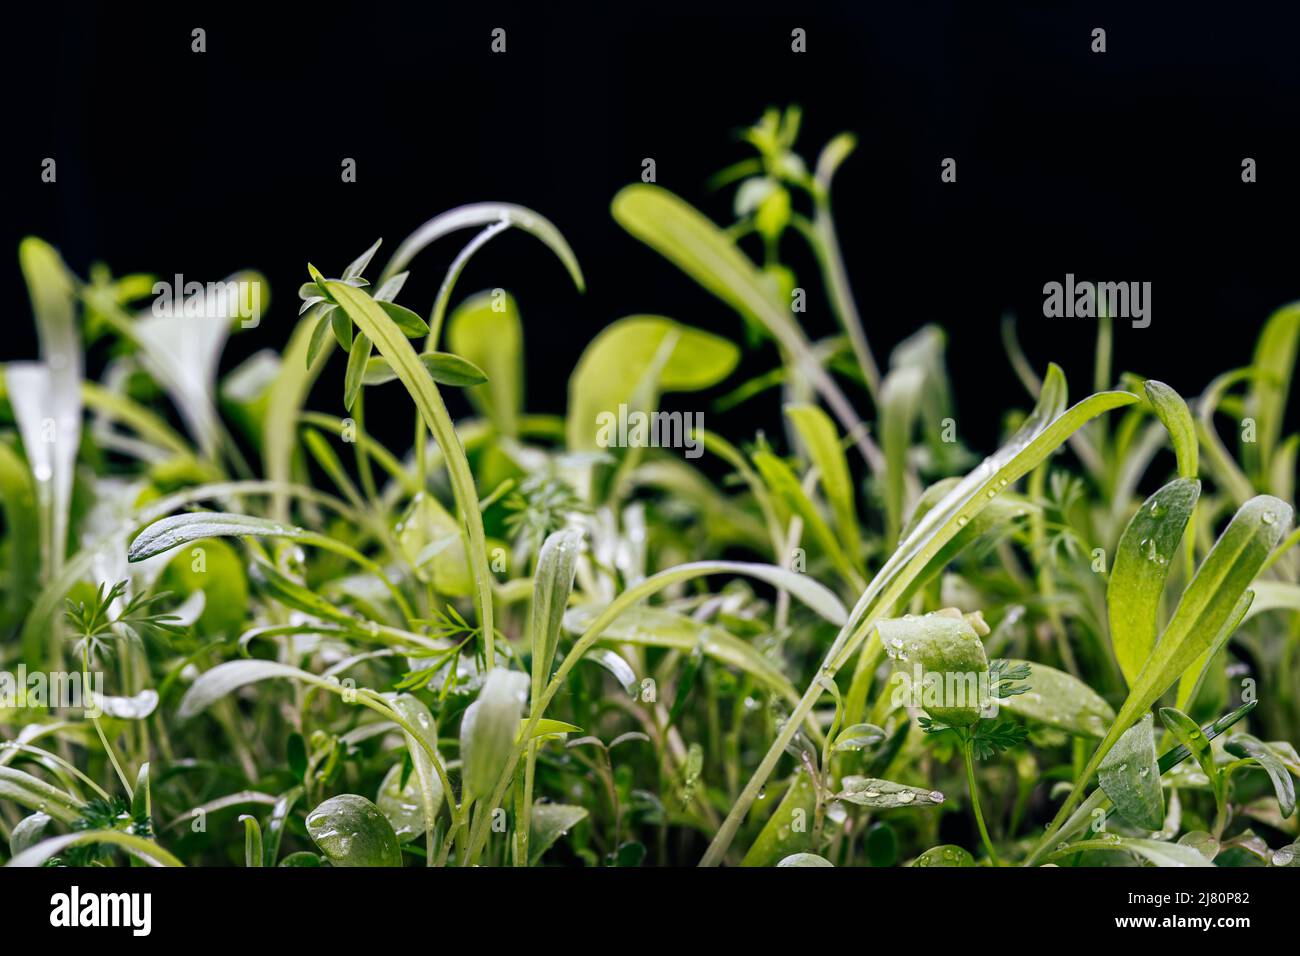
351,831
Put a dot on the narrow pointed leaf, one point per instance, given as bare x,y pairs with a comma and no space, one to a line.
1137,578
489,728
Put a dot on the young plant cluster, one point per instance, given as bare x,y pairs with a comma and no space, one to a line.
845,640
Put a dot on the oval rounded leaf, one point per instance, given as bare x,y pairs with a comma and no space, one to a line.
1130,777
805,859
947,654
612,370
946,855
351,831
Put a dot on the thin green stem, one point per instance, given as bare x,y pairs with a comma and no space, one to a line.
108,749
969,759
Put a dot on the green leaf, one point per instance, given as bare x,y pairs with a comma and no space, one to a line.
144,850
176,530
951,659
397,349
1177,419
275,584
35,794
1142,562
342,327
401,805
358,364
616,665
22,536
27,832
1060,700
613,370
359,264
1275,358
444,368
182,350
678,231
483,214
548,823
708,255
319,335
1192,678
1247,746
1188,733
557,564
546,727
284,406
214,684
1273,596
1155,851
1208,603
805,859
351,831
252,840
900,400
780,837
50,391
1205,608
492,339
1130,777
885,794
819,437
406,320
424,524
658,627
221,579
489,728
1045,430
425,787
945,855
782,481
858,737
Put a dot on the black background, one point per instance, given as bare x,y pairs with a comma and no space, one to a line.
1120,166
